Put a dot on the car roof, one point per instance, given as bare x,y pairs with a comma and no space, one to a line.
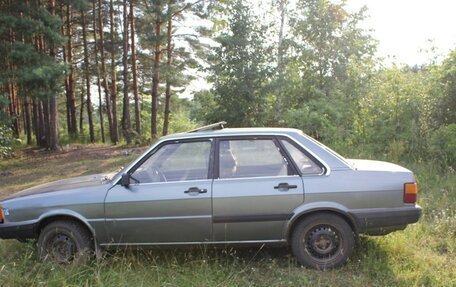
232,132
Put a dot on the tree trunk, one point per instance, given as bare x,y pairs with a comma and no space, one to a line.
104,73
280,66
126,121
100,100
41,130
283,9
35,121
46,122
134,69
114,131
53,136
27,121
12,108
155,78
52,140
87,76
169,54
81,111
71,102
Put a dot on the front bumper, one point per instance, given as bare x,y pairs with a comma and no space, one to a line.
17,231
380,221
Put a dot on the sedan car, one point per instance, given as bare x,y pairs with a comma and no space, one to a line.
220,186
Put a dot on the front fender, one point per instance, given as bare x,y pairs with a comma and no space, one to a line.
68,213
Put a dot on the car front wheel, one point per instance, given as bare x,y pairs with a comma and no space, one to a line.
322,241
65,241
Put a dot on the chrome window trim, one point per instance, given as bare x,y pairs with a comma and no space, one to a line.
255,177
175,181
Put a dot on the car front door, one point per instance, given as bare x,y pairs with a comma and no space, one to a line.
255,190
168,200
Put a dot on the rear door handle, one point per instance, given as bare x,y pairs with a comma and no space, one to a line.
194,190
284,186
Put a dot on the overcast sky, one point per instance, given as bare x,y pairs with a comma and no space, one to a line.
403,27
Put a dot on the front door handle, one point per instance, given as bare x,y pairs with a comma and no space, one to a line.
284,186
194,190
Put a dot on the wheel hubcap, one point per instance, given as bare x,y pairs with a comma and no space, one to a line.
322,242
62,248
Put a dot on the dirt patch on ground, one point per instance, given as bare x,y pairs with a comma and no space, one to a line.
80,152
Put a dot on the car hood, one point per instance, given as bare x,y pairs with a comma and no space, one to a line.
65,184
373,165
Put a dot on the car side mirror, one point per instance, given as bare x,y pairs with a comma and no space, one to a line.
125,180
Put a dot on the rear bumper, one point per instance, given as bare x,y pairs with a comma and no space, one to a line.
17,231
380,221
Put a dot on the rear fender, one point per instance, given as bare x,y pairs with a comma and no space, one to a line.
323,206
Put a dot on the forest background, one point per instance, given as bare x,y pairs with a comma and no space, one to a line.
112,71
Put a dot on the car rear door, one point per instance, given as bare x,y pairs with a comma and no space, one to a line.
255,189
171,200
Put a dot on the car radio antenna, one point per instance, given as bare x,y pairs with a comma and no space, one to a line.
216,126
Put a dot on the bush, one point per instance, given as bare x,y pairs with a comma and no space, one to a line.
443,145
6,142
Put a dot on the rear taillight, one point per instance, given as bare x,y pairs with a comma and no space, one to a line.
410,192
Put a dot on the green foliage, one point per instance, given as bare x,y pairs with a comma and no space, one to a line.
35,69
315,119
4,116
394,114
443,145
326,38
203,107
239,70
7,142
445,84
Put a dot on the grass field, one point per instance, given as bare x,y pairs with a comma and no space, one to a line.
422,255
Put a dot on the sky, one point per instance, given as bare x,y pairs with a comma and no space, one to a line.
404,27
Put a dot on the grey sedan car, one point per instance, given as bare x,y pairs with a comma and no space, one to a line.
219,187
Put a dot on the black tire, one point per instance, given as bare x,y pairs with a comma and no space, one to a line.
322,241
65,241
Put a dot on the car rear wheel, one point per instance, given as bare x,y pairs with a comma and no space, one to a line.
322,241
65,241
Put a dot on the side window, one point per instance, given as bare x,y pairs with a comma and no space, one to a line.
176,162
251,158
303,162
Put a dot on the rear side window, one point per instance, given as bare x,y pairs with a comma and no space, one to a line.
251,158
302,161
